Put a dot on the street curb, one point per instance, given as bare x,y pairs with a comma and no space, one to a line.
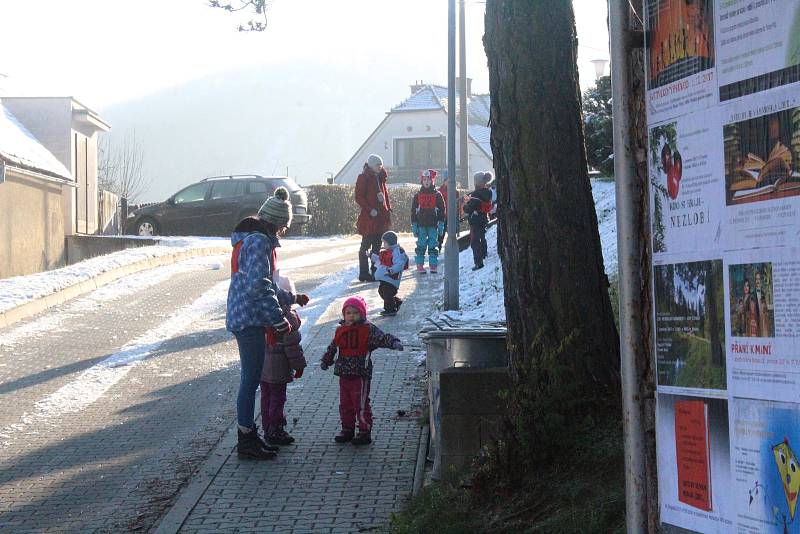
422,454
187,499
18,313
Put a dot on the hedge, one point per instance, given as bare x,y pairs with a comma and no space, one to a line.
334,211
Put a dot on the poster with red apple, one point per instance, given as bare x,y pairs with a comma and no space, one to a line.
686,182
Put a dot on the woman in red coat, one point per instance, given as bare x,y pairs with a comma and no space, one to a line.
375,217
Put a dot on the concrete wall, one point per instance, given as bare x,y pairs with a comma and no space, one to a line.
83,247
408,124
31,224
471,412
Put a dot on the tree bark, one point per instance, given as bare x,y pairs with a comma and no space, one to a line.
555,282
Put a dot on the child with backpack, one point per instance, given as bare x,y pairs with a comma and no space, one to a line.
355,340
477,208
427,221
284,362
390,264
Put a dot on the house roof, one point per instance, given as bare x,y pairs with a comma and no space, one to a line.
20,148
432,97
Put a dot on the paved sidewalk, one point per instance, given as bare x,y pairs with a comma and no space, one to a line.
317,485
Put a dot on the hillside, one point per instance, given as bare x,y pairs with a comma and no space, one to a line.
257,120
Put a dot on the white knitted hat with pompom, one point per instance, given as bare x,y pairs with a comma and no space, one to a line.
277,209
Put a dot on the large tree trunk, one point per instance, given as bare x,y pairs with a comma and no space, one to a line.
555,283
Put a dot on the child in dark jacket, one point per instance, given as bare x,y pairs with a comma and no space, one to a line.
355,339
427,221
477,208
284,362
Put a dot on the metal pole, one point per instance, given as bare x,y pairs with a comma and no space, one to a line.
451,250
630,299
462,100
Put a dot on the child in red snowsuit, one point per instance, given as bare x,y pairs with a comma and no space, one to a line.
355,339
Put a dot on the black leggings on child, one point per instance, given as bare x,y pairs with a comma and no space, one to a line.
389,295
477,241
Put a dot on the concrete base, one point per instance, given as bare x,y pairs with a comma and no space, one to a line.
83,247
471,413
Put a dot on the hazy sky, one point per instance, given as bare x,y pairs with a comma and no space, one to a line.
108,51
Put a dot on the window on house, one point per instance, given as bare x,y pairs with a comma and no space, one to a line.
420,153
193,193
227,189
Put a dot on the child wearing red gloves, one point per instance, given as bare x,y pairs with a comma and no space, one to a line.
284,362
355,339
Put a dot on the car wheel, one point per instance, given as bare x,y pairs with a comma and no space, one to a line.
146,227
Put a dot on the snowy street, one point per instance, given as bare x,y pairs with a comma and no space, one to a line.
112,400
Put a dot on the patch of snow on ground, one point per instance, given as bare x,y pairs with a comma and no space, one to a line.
95,381
20,290
605,204
123,287
481,292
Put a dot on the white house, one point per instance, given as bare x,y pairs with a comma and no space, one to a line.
48,180
69,130
413,137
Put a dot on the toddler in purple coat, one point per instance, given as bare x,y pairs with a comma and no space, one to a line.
284,362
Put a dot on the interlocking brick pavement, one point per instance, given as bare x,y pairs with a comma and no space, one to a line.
317,485
116,464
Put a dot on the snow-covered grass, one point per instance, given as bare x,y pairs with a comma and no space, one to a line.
481,292
605,204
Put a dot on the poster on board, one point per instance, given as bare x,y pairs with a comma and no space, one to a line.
764,458
694,476
763,324
680,57
761,137
685,177
690,326
757,42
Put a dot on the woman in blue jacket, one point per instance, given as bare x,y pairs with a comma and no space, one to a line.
254,302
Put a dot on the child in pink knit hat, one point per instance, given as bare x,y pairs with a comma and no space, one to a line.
355,339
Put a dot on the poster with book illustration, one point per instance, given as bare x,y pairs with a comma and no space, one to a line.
758,42
766,469
762,169
680,56
690,332
693,444
763,324
685,180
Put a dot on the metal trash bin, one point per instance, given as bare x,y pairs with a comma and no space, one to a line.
458,345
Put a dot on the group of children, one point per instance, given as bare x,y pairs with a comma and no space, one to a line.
356,338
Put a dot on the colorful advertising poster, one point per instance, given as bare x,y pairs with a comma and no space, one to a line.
752,309
763,322
762,169
690,326
694,463
758,41
765,446
680,57
685,180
